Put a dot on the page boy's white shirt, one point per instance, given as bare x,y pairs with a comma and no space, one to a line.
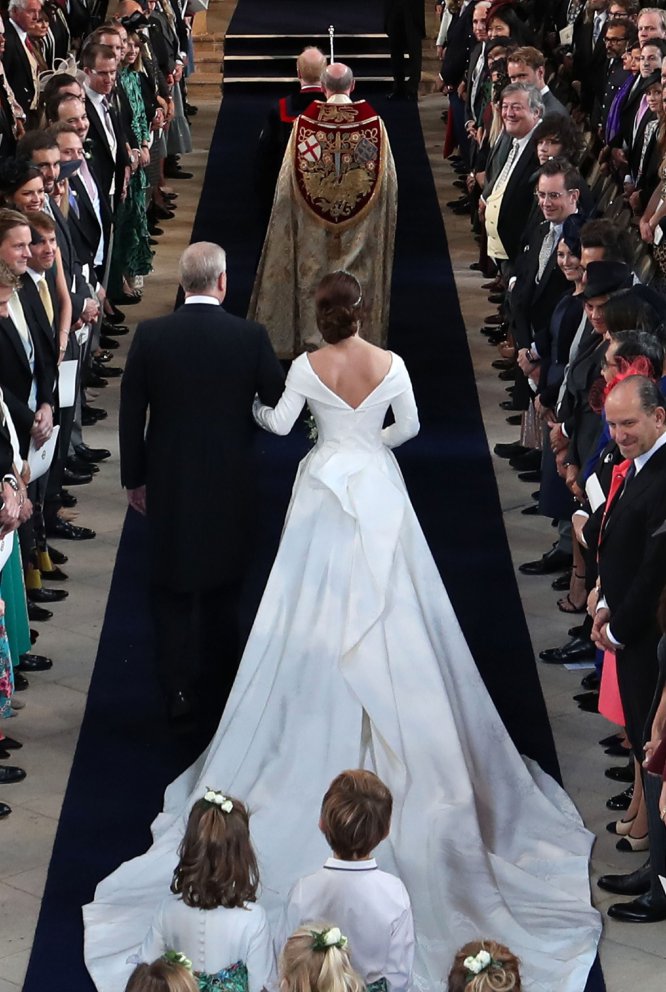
371,908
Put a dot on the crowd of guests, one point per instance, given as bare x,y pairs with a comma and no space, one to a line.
556,127
346,928
93,119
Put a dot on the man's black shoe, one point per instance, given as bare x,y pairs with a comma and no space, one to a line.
82,468
107,342
178,173
115,317
5,810
8,774
95,381
66,499
589,702
515,420
636,883
644,909
621,773
120,330
561,584
71,478
62,528
105,371
47,595
87,454
577,649
33,663
57,557
510,450
508,375
553,561
529,462
20,681
38,613
590,682
55,574
90,415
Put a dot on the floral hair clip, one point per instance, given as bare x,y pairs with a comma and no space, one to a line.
177,957
218,799
478,963
330,937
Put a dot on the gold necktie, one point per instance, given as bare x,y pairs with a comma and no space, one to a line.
45,297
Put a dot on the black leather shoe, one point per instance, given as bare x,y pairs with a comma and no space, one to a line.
621,773
155,231
160,213
510,450
498,338
10,774
510,405
589,703
20,681
503,363
82,468
34,637
107,371
622,801
561,584
87,454
115,317
120,330
178,173
127,300
590,682
9,744
5,810
67,499
62,528
33,663
636,883
530,511
57,557
494,319
529,462
578,631
94,380
103,357
90,415
107,342
496,298
577,649
617,751
76,478
509,375
641,910
38,613
515,420
552,561
47,595
56,574
529,476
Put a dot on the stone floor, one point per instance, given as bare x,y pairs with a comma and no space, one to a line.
49,724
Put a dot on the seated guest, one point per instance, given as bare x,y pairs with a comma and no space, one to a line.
355,819
485,966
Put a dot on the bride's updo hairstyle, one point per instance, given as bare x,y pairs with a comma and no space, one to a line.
218,866
339,305
162,976
485,966
315,959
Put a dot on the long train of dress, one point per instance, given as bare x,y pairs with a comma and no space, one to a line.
356,659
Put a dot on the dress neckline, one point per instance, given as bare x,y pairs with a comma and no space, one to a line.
337,395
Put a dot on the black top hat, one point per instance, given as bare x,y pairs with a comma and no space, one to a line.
606,277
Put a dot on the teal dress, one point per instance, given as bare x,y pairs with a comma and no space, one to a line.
233,979
131,254
12,590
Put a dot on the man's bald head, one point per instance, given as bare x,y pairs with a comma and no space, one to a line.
337,78
310,64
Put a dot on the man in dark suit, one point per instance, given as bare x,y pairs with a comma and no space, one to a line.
589,50
404,23
630,541
528,65
20,64
459,43
195,373
110,158
276,131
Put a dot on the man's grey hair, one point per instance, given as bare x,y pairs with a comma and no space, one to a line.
534,99
333,83
17,5
201,266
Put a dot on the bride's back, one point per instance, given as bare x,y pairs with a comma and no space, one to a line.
352,369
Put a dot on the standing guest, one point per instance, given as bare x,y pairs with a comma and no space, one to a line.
528,65
214,363
214,894
19,61
110,160
404,23
370,905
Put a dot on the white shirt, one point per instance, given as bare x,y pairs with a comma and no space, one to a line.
213,939
203,299
371,908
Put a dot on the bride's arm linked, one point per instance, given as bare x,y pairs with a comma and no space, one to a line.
406,419
280,419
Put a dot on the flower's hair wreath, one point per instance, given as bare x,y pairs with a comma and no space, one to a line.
218,799
330,937
478,963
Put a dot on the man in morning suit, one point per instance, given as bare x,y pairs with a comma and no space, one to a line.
110,158
276,132
195,372
630,541
19,63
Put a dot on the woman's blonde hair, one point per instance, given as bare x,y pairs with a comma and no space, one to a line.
161,976
304,969
501,975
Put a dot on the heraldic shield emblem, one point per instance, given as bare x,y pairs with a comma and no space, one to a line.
339,152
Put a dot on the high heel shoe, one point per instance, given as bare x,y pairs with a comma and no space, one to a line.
620,827
630,843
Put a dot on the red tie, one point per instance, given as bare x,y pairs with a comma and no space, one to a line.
617,482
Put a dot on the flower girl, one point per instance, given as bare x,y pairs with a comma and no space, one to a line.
212,916
315,959
164,975
485,966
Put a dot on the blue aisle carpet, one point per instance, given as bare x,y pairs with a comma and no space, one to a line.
125,758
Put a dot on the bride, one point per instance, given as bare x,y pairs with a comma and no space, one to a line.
356,659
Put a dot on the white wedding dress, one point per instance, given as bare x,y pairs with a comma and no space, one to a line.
356,659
